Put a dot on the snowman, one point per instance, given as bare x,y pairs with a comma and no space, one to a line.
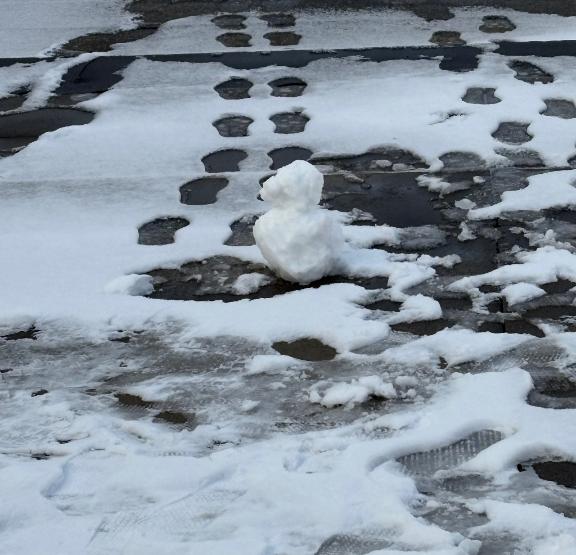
299,240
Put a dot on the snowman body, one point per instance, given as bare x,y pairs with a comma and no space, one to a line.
299,240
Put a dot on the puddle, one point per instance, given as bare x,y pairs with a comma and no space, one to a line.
559,108
160,231
234,89
287,87
283,38
530,73
95,76
175,417
513,133
447,38
233,22
289,122
462,161
283,156
480,95
521,158
206,280
21,128
226,160
30,333
432,11
39,393
562,473
202,191
103,42
234,40
14,100
394,199
496,24
428,327
242,232
307,348
383,158
127,400
279,19
233,126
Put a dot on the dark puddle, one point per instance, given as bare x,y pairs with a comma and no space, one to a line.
30,333
103,42
559,108
202,191
289,122
242,232
160,231
213,279
307,348
283,38
135,404
427,327
431,11
226,160
233,22
234,40
21,128
530,73
283,156
279,19
511,326
447,38
562,473
39,393
233,126
384,158
287,87
394,199
462,161
234,89
496,24
480,95
94,76
512,133
522,157
14,100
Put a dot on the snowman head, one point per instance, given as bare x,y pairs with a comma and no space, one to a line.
296,186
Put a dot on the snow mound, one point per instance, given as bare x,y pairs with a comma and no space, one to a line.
521,292
299,240
356,392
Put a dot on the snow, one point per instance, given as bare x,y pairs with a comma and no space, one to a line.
546,190
544,265
562,544
132,284
521,292
300,241
246,478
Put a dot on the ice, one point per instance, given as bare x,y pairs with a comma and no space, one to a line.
300,241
